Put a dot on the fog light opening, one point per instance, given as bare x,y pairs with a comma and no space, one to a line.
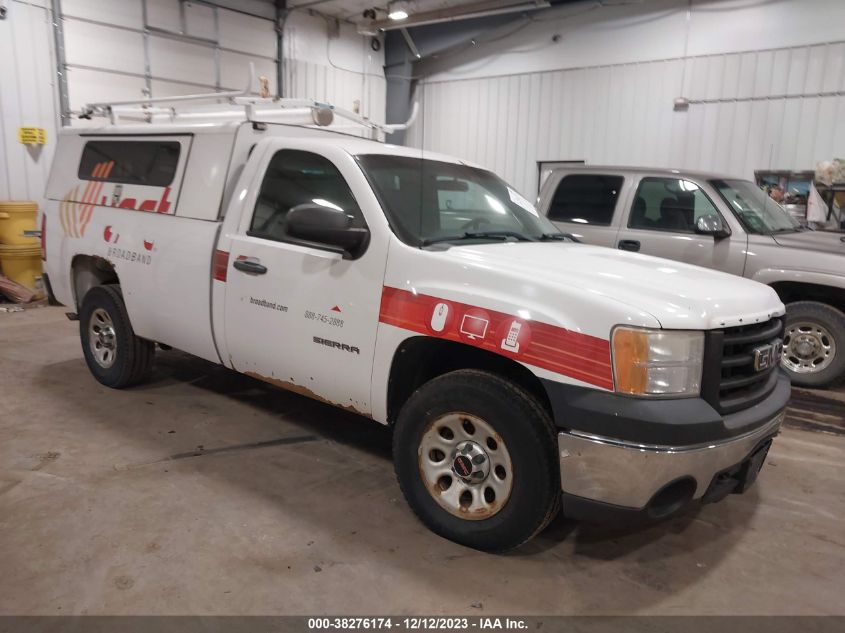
671,498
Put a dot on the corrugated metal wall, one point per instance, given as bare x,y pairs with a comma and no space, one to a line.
329,61
117,49
111,55
780,108
27,99
338,86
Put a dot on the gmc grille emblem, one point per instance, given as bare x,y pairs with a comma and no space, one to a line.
767,356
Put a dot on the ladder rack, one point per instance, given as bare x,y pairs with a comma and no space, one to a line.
246,107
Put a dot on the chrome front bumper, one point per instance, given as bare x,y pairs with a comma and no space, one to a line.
629,475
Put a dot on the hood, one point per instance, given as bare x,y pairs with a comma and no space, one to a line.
816,241
677,295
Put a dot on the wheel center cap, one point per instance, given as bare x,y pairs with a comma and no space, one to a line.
462,466
470,462
806,347
105,337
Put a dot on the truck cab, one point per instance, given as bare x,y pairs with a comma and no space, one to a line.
521,371
723,223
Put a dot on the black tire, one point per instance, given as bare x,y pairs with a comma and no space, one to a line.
133,356
831,320
530,440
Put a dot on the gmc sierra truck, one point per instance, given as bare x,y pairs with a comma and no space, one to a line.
521,371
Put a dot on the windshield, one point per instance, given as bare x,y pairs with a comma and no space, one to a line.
428,201
756,210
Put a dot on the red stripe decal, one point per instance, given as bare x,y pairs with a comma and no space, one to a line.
220,266
579,356
91,193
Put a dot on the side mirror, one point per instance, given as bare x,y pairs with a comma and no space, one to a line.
711,224
327,226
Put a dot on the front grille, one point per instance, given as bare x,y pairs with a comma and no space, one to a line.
731,383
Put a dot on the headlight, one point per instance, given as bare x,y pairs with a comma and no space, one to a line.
657,362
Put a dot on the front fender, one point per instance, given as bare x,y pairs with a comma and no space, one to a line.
770,276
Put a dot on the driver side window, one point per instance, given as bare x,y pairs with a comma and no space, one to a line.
294,177
669,204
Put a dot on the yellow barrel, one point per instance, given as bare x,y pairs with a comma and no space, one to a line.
23,265
15,218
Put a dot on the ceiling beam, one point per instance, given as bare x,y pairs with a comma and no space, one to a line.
410,42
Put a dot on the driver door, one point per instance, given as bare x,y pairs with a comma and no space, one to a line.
301,315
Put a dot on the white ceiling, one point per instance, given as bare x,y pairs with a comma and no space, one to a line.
352,10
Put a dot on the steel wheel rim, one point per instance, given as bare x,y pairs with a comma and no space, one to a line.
468,442
808,348
102,340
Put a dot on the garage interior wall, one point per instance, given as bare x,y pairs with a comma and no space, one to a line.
27,98
596,82
117,49
329,61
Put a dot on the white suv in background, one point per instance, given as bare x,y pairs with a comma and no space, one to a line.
724,223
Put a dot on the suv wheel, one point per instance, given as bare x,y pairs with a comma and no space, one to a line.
476,458
814,344
116,357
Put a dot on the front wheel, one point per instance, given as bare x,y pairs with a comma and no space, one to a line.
814,344
476,458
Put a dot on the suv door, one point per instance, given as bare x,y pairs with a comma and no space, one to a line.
584,204
298,314
661,221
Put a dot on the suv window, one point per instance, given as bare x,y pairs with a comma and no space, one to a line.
295,177
151,163
586,199
669,204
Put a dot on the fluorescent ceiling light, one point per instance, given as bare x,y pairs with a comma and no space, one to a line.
403,13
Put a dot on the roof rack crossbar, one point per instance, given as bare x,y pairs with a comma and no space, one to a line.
149,106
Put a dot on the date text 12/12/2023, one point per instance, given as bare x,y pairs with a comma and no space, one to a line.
418,623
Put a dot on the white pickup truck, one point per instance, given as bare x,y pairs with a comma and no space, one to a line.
521,370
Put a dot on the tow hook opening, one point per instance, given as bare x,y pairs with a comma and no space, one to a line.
671,498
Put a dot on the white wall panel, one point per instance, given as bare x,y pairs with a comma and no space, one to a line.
342,88
174,60
108,37
234,70
99,46
341,68
751,109
122,13
164,14
164,88
104,43
247,34
200,20
85,86
26,100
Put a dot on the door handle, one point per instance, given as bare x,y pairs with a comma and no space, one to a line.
629,245
251,266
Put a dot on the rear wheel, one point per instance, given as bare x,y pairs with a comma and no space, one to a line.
115,356
476,458
814,344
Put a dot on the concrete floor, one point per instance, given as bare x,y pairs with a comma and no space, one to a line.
206,492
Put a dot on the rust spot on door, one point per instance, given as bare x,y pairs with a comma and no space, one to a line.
289,385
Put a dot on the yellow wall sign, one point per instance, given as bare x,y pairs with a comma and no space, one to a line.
32,135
